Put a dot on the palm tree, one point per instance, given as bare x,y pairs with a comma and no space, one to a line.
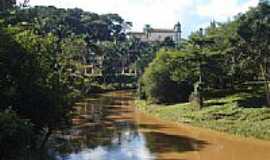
147,30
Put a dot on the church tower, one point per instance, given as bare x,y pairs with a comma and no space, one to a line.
178,33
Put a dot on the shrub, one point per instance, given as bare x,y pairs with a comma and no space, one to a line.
17,136
163,81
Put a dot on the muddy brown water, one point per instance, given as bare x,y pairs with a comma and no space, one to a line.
109,127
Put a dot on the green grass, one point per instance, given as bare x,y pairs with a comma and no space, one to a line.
241,113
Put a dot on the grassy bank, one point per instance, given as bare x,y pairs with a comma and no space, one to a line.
240,113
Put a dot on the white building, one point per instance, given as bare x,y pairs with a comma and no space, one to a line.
158,35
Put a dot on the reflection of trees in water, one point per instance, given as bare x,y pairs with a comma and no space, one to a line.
107,123
126,134
95,125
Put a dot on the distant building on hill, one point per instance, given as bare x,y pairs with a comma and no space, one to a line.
124,64
158,35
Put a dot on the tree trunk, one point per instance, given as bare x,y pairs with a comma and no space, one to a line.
268,98
266,85
48,134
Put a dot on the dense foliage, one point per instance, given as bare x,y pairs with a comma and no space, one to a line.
51,57
43,55
223,56
16,136
168,78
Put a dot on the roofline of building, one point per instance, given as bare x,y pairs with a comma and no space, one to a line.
135,32
161,30
155,30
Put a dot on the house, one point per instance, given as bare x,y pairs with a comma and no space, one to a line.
158,35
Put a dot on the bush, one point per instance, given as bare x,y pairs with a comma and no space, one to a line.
16,136
163,82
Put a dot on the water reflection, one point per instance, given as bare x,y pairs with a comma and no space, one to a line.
103,130
130,147
106,128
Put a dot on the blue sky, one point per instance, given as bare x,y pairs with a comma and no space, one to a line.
192,14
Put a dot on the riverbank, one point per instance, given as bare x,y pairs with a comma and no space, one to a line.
109,126
240,113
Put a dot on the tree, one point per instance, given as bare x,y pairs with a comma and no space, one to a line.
30,83
168,42
147,30
254,29
6,4
168,78
17,136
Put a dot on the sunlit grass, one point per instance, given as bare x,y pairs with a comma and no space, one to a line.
224,114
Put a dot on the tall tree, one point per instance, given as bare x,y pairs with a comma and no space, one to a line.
254,29
6,4
147,30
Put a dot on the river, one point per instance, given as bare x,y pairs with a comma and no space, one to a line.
109,127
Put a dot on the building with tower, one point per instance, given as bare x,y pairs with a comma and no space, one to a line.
178,33
150,34
122,63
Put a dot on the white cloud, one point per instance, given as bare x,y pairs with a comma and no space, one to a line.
160,13
222,10
130,148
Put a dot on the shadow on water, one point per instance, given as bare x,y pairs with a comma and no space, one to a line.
105,128
162,143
